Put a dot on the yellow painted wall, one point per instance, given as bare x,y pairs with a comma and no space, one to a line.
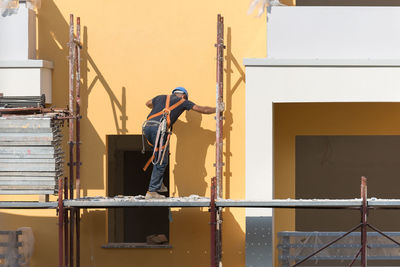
134,50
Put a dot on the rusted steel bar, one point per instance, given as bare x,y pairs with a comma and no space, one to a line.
31,110
364,213
219,103
66,253
219,236
78,47
355,257
78,109
213,223
78,237
383,234
60,223
327,245
71,104
71,236
71,135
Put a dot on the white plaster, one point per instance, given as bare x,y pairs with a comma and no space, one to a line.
269,84
333,32
26,78
18,35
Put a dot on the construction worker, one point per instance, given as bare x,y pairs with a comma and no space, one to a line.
165,110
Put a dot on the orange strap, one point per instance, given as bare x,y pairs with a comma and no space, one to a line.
167,109
148,163
152,157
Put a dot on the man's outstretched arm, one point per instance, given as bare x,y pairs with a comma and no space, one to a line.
204,109
149,103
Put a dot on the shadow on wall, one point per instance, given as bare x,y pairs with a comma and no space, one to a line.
53,36
231,85
192,145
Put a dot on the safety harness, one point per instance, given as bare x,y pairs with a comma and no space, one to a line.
164,127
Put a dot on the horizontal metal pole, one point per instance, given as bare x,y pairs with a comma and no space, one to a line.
134,203
204,202
291,203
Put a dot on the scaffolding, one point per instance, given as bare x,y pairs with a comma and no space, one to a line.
69,204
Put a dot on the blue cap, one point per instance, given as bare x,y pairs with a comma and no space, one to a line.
181,90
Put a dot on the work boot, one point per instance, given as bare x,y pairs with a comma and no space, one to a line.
163,189
155,195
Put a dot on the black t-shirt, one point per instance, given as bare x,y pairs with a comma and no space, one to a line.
159,105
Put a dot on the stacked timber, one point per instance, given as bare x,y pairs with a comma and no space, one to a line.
31,157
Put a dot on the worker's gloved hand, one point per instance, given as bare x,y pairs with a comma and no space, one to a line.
221,106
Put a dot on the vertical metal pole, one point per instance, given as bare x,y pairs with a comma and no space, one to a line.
213,223
219,134
71,236
71,134
71,105
219,112
78,106
66,253
78,136
78,237
364,211
60,223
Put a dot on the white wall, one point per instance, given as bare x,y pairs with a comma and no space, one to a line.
18,35
333,32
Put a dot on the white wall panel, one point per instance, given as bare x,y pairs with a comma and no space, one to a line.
333,32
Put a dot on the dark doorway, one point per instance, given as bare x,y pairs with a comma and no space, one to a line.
330,167
126,177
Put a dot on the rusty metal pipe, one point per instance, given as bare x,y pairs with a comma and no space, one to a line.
383,234
66,253
78,108
219,101
71,134
77,133
71,236
71,105
31,110
78,237
60,223
364,211
355,257
213,223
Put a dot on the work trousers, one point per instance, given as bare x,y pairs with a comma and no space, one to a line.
157,175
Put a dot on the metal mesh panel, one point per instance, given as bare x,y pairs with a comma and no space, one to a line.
295,246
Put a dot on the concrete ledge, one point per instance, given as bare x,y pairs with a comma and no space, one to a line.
26,64
273,62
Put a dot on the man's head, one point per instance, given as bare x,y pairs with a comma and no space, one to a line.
181,92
